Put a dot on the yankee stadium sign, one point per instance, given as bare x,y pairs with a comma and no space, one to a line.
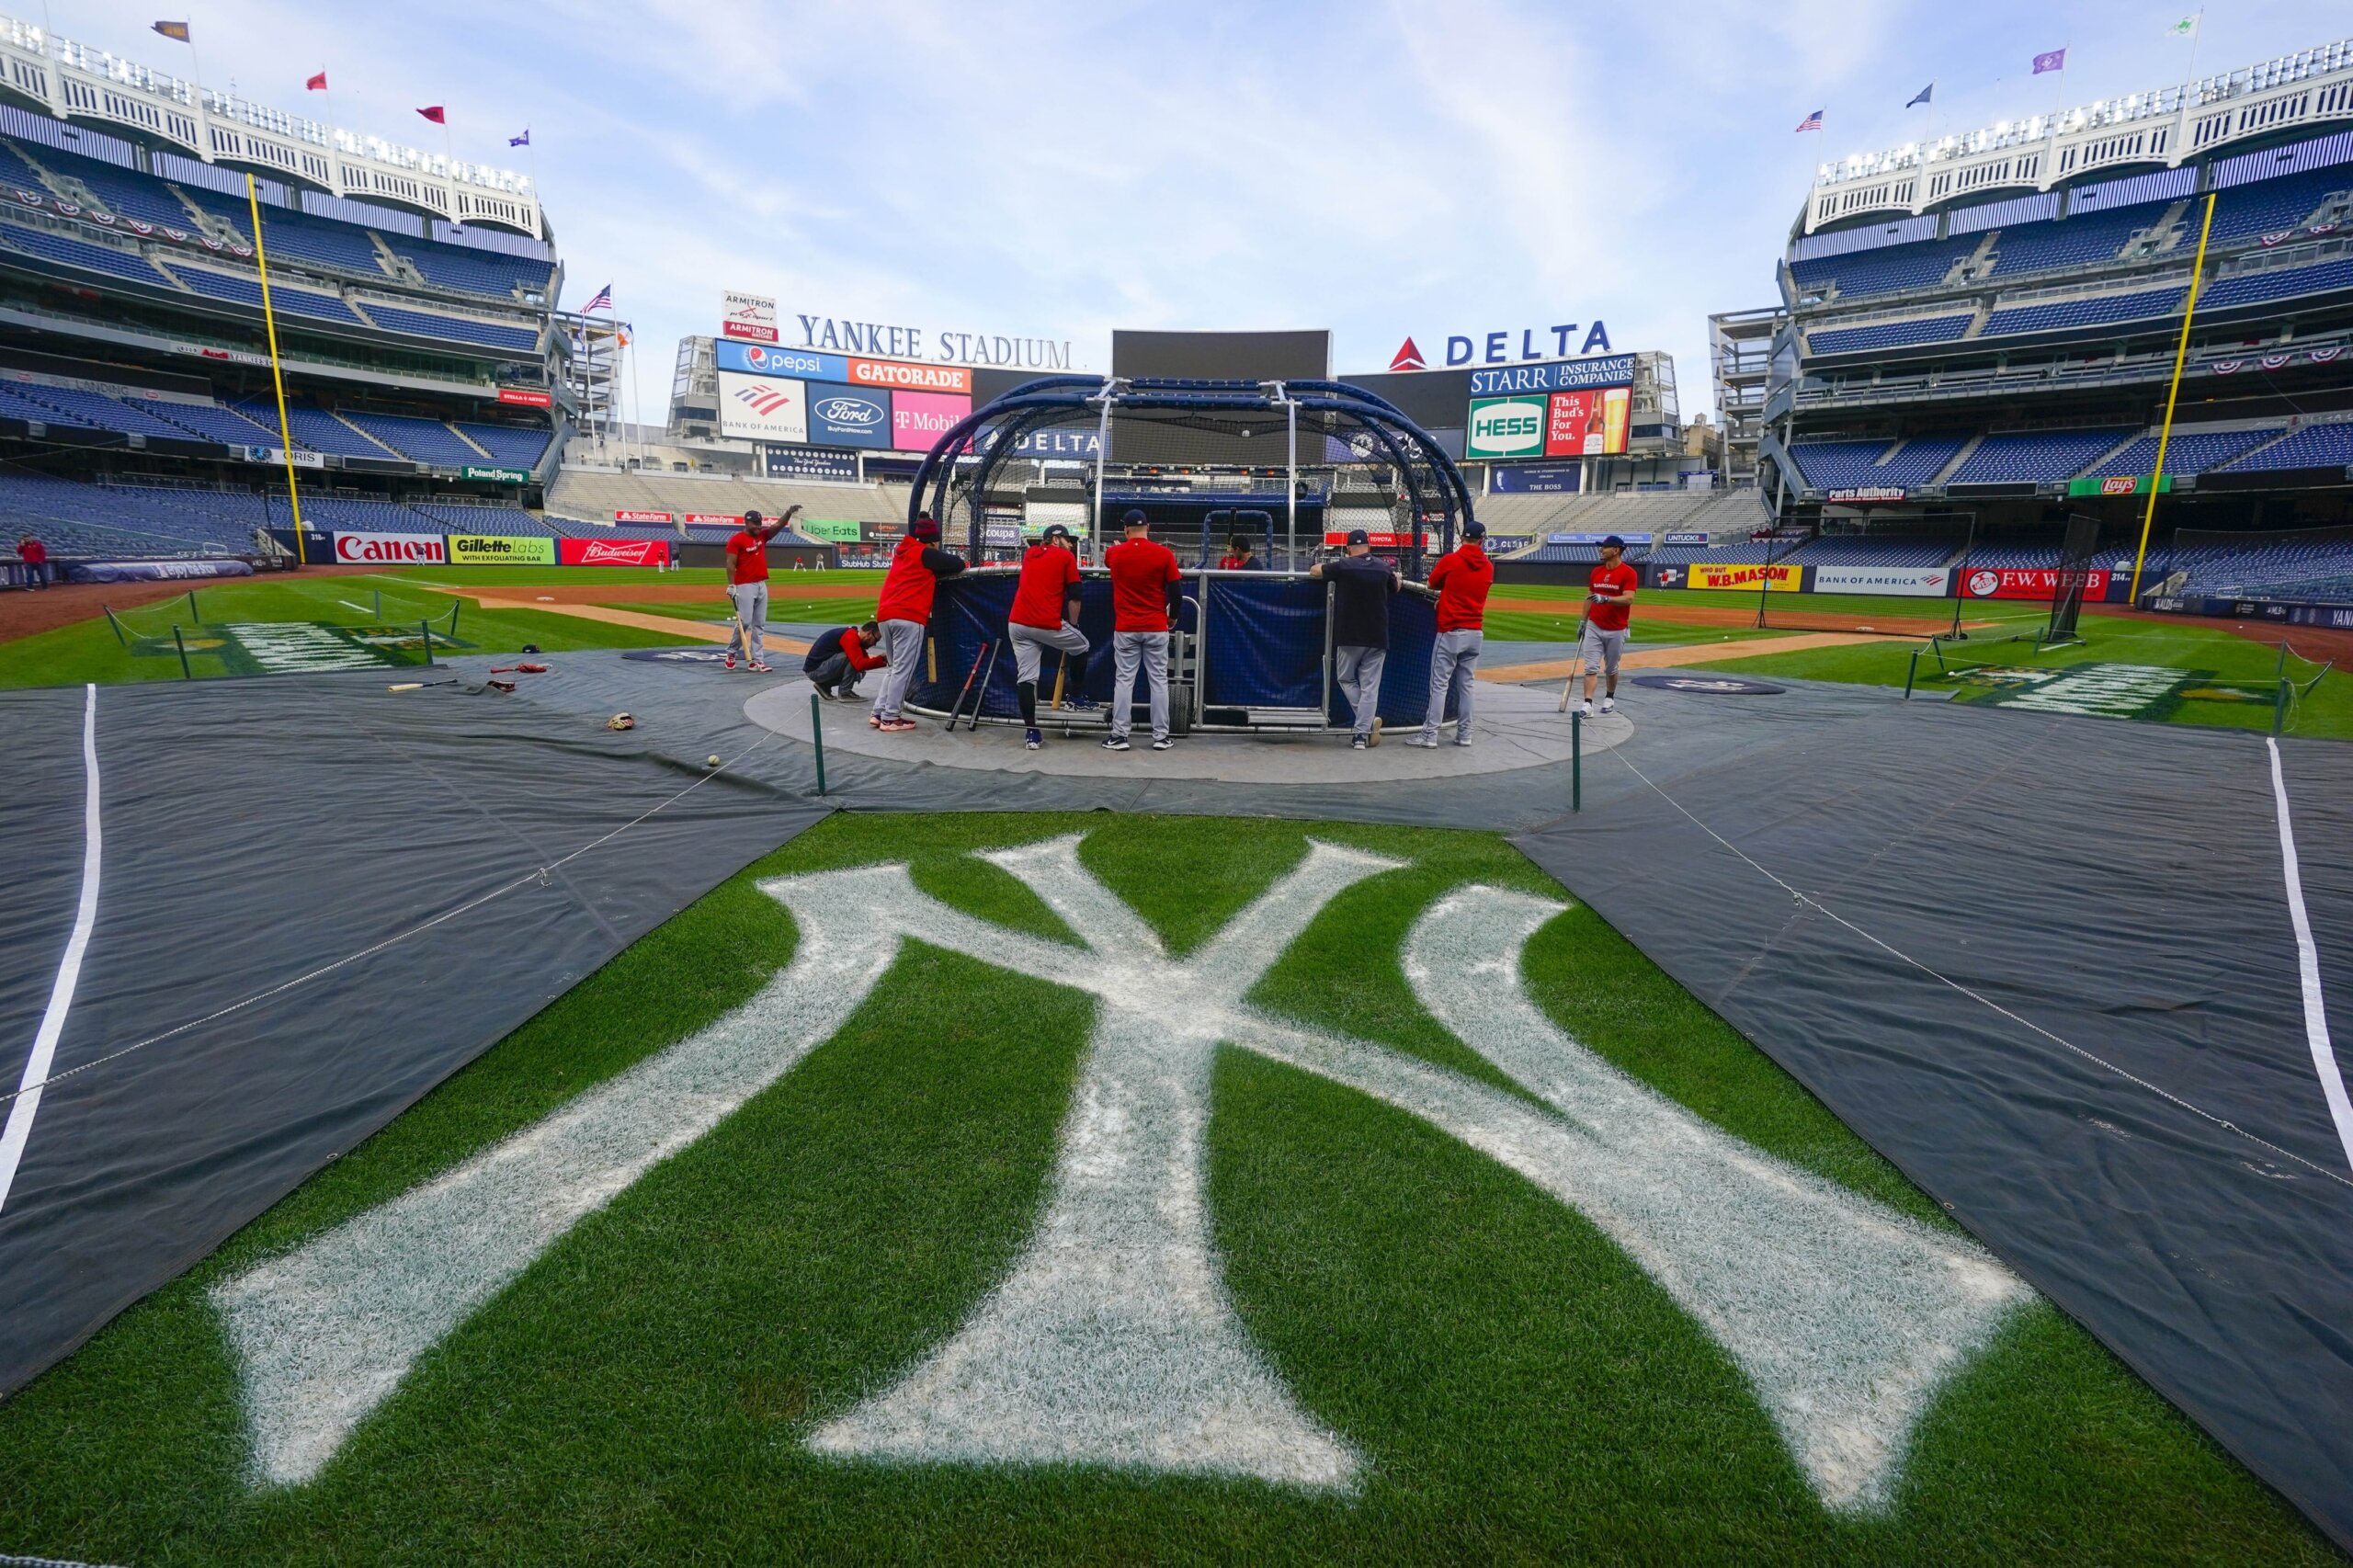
889,340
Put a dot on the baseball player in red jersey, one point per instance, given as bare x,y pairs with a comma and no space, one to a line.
1460,583
1045,615
1609,610
917,567
1143,594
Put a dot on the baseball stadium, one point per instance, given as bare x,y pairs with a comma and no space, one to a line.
1141,946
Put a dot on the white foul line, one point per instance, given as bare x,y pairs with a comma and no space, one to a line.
69,968
2332,1082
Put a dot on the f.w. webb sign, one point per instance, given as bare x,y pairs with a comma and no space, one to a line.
1112,1340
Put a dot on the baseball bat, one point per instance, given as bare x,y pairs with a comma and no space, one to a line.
981,695
1059,671
1577,665
958,706
931,658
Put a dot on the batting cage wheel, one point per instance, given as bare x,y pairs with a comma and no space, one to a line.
1288,467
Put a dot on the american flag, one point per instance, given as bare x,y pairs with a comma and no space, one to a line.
1811,121
603,301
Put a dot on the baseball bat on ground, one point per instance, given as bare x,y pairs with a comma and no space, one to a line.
1577,665
981,695
970,675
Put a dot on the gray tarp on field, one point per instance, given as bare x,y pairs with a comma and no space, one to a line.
255,831
2118,885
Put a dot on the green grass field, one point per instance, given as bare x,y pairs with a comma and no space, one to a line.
1519,1389
90,651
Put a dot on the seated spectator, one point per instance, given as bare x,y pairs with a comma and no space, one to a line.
836,659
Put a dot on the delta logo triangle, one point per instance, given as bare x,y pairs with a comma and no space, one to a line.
1408,358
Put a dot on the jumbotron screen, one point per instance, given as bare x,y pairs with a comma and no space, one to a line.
1224,355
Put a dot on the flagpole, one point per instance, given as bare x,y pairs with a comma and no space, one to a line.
276,374
2165,432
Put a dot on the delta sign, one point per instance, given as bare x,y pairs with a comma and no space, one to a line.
1498,347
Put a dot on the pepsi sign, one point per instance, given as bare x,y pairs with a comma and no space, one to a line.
844,416
766,359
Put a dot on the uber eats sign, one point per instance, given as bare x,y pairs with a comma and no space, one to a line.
1505,427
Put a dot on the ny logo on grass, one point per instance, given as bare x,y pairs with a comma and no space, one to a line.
1112,1341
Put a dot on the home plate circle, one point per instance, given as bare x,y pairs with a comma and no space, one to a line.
1715,686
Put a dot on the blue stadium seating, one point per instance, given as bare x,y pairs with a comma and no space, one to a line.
451,329
285,301
1888,334
572,528
2272,206
2093,312
15,405
286,236
1921,458
2314,446
2269,565
123,192
211,422
364,516
1858,549
17,172
319,431
485,520
1889,271
2042,456
427,440
477,272
509,444
2189,451
1829,465
2075,240
2249,287
99,410
74,253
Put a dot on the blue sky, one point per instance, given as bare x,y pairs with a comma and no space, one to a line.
1057,170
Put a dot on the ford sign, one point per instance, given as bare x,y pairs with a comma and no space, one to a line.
850,411
844,416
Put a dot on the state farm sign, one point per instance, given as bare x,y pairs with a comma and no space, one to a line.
663,517
359,549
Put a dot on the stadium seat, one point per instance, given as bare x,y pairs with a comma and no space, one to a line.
2040,456
2095,311
427,440
455,329
510,444
2314,446
1831,465
317,430
2247,288
99,410
2075,241
2274,206
1889,335
124,192
2188,451
76,253
246,291
210,422
1891,269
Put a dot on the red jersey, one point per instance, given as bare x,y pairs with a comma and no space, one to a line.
1618,579
1237,563
1141,570
1048,574
32,553
747,558
1462,579
906,587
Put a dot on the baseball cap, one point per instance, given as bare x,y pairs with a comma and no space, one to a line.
752,519
1054,532
1134,516
1474,528
1358,536
1613,542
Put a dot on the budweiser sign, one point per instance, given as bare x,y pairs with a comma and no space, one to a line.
613,551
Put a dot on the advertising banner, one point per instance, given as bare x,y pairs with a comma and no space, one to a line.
1775,579
844,416
2118,484
1534,478
919,419
793,364
833,530
811,462
1903,581
501,550
276,454
1851,494
896,375
496,475
713,520
613,551
1505,427
1612,370
1378,541
361,548
758,408
661,518
526,396
1685,538
1080,443
750,317
1588,423
2027,583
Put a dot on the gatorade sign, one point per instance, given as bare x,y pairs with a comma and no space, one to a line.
1505,427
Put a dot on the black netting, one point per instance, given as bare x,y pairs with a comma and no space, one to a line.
1282,466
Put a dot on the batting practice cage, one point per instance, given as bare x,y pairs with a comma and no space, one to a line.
1289,467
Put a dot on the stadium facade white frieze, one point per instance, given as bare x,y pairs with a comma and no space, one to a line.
892,340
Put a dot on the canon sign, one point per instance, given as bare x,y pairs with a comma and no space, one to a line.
377,549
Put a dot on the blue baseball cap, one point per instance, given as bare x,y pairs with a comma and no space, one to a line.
1474,528
1133,516
1358,536
1613,542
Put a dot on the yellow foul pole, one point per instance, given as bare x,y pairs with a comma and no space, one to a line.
2165,432
277,376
